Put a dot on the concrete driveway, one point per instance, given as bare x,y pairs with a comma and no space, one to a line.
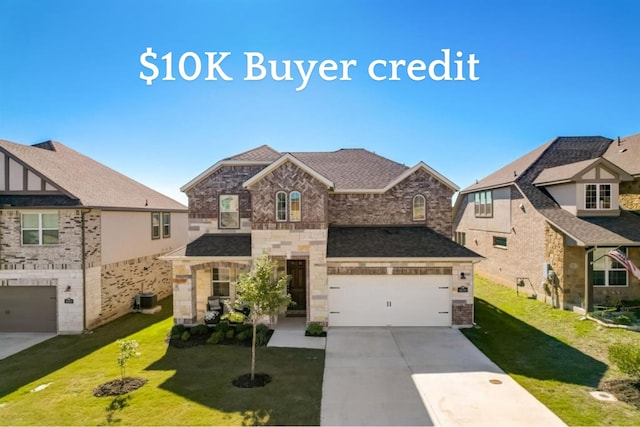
421,377
14,342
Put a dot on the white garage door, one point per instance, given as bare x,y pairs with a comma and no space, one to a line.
389,301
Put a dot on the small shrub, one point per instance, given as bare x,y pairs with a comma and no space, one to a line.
262,335
216,338
623,319
627,358
186,335
315,329
223,327
177,330
244,327
243,336
229,334
199,330
235,317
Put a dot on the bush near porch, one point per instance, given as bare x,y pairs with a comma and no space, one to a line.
553,353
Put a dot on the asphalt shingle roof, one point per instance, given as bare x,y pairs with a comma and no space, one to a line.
264,153
392,242
220,245
626,154
91,183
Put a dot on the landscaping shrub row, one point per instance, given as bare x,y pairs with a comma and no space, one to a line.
223,333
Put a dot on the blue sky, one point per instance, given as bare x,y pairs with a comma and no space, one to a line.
70,72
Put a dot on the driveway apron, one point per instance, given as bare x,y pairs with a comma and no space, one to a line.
420,376
14,342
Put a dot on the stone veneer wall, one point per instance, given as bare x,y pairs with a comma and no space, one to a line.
396,205
121,281
289,177
300,244
630,195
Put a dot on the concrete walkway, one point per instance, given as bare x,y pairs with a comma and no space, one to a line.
14,342
289,332
420,376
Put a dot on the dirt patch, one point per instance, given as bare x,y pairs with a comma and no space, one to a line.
245,381
119,387
625,390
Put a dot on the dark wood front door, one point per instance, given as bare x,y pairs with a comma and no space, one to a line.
297,269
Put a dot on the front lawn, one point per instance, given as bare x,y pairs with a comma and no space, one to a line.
190,386
555,355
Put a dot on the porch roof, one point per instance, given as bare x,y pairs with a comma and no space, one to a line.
220,245
393,242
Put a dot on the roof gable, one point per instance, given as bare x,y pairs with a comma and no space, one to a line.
264,153
282,160
599,168
91,183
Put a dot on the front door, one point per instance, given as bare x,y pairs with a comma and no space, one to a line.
297,269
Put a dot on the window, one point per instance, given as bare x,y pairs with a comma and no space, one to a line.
155,225
483,204
460,238
597,196
281,206
39,228
220,283
166,224
229,214
419,208
606,271
499,242
294,206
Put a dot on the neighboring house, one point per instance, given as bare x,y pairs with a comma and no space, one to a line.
367,241
548,219
78,241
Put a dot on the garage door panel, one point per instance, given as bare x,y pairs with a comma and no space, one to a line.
28,309
389,301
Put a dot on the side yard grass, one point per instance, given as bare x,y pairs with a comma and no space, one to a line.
185,386
554,354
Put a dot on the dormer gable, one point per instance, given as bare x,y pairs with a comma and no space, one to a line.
586,188
17,177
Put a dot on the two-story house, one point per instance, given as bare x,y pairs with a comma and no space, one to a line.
548,220
78,241
365,240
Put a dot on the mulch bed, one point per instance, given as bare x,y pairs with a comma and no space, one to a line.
119,387
625,390
244,381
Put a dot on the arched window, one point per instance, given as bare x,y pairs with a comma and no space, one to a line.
294,206
281,206
419,208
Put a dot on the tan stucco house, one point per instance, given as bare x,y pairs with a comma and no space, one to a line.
547,220
78,240
366,240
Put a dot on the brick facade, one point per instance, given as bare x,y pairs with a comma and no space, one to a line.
396,205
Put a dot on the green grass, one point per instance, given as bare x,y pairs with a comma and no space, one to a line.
185,386
555,355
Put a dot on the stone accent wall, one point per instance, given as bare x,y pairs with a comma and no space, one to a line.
184,293
289,177
122,281
396,205
300,244
203,197
525,249
630,195
555,256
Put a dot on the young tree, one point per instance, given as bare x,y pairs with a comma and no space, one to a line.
264,294
128,350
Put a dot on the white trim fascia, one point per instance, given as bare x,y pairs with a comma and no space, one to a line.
490,187
282,160
403,259
170,257
220,164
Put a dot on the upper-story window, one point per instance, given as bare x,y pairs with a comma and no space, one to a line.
166,224
483,204
39,228
597,196
281,206
294,206
419,208
155,225
229,211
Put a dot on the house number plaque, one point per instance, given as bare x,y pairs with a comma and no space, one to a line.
462,289
68,300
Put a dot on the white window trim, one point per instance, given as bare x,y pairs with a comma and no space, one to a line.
598,206
40,228
166,224
495,245
213,282
488,207
424,208
285,209
159,216
291,206
609,262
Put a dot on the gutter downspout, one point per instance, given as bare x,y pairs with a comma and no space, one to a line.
83,212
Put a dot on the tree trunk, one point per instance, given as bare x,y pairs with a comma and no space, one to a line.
253,351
